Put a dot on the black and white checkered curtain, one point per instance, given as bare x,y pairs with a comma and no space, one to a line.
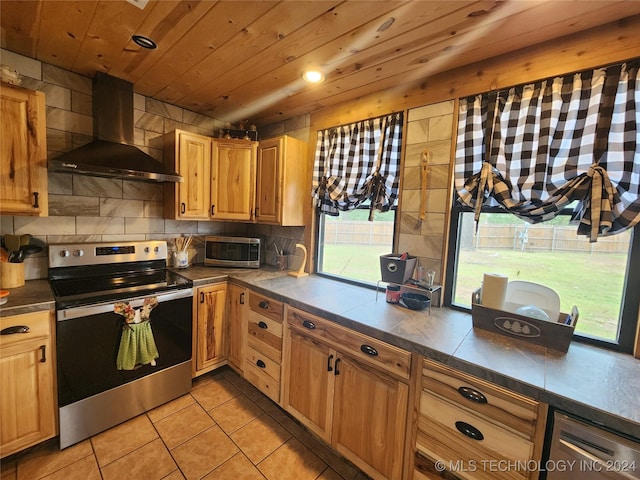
358,162
536,148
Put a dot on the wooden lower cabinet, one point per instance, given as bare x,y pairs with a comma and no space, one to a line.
309,383
237,301
209,328
351,403
263,353
471,429
369,416
27,383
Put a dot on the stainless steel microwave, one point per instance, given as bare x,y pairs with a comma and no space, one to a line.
241,252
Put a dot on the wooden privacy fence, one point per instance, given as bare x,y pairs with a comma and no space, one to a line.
358,233
546,238
508,237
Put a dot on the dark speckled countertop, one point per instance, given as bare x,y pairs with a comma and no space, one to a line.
590,382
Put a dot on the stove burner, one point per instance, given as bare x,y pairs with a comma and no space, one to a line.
102,272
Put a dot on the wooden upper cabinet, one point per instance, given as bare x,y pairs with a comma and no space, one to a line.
190,155
233,179
23,152
282,186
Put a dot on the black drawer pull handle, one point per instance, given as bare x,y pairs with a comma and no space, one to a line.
242,298
43,349
329,367
263,325
264,305
369,350
472,394
261,364
309,324
213,210
183,207
336,371
35,200
469,430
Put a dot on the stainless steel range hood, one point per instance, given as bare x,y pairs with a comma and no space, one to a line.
112,154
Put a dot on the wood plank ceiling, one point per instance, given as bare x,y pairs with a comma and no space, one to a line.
236,60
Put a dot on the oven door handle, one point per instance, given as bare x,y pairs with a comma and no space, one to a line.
88,310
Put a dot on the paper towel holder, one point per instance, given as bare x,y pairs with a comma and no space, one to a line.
300,272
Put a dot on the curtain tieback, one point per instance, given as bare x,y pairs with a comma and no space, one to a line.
600,184
485,182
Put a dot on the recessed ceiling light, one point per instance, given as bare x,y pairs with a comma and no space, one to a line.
313,76
144,42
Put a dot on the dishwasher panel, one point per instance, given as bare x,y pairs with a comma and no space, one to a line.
586,452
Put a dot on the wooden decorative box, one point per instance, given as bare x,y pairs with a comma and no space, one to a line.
555,335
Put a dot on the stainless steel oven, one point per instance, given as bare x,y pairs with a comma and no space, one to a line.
98,345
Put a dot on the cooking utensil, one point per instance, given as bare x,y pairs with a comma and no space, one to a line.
4,255
425,158
30,249
25,240
12,243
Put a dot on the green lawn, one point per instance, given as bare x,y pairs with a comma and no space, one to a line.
592,282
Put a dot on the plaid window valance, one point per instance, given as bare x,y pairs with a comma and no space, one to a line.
536,148
358,162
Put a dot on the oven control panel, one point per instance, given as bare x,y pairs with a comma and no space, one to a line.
78,254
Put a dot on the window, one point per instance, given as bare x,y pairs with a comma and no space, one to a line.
349,246
596,277
356,180
535,151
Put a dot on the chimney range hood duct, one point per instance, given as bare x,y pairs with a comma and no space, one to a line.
112,154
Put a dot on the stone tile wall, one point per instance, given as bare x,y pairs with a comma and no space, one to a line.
85,209
430,127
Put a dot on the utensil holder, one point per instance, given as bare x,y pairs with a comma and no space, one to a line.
11,275
282,262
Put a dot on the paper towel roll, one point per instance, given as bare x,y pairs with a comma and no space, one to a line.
494,290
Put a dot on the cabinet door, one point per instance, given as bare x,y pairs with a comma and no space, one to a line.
237,317
268,206
283,183
233,180
370,411
23,152
210,328
27,407
308,390
194,164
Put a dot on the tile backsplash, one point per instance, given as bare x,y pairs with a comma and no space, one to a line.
93,209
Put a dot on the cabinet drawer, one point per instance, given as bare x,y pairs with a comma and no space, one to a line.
261,380
450,433
265,335
264,363
491,401
266,306
39,327
376,352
